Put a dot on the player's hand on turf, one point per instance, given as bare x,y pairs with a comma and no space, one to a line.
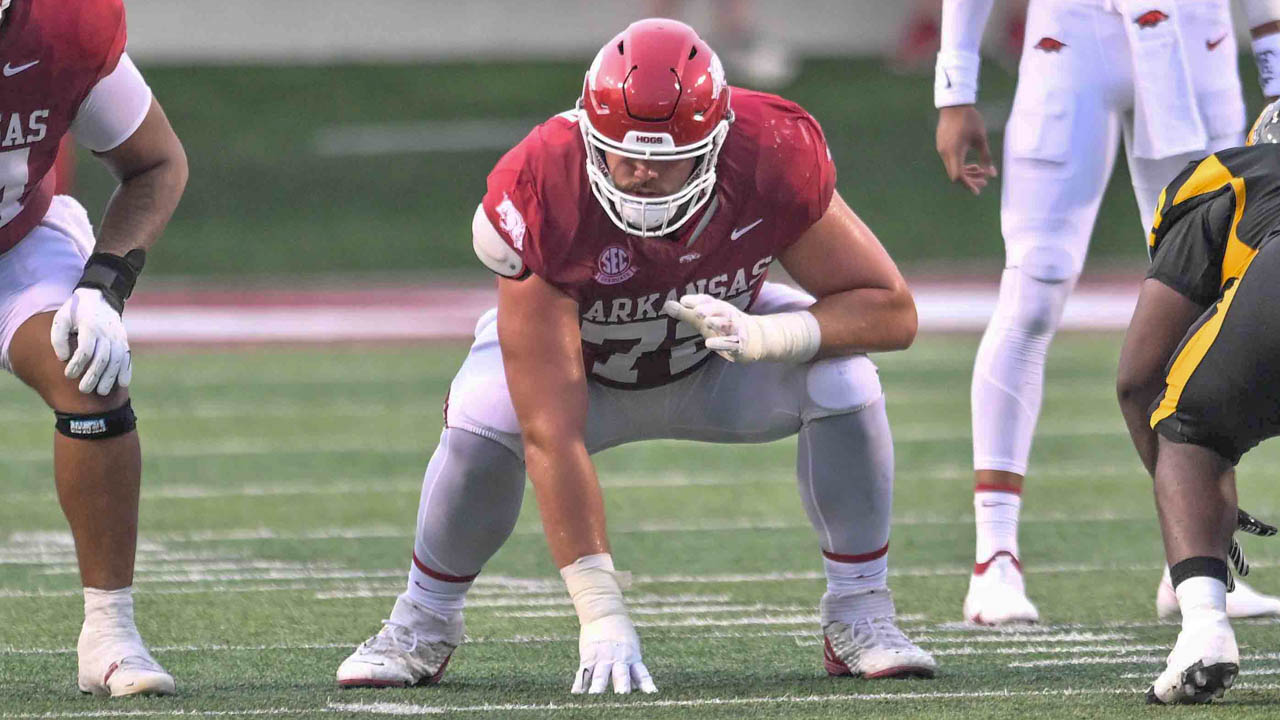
961,129
610,654
101,356
727,329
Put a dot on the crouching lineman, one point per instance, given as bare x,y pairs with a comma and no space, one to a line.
632,236
1199,382
66,71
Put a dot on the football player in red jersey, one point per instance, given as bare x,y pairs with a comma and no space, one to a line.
632,237
62,293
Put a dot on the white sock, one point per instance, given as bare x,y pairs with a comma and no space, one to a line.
437,591
106,610
855,578
1201,598
995,515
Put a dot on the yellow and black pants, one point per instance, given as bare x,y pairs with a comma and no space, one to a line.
1222,386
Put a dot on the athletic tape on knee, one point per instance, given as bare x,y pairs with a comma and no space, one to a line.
97,426
595,587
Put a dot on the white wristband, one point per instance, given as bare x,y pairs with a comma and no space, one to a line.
955,80
595,587
789,337
1266,52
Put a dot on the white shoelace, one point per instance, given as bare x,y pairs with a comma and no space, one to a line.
394,636
879,632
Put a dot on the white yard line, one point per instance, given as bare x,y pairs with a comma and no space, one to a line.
941,306
346,444
1124,659
388,708
328,487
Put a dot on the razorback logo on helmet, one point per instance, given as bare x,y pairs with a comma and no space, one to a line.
1048,44
512,221
1150,19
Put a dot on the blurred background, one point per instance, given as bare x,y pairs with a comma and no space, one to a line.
332,137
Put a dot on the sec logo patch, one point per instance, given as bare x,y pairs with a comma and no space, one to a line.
614,266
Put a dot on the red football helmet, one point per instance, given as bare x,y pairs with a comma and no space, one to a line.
656,91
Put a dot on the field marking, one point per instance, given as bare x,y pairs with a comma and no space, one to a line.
547,585
1123,659
364,486
564,610
424,136
389,708
346,444
803,635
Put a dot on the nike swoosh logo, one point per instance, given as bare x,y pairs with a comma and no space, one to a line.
988,503
369,662
1212,44
10,71
744,230
947,75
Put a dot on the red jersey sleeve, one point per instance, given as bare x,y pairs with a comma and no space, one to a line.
801,175
100,34
511,204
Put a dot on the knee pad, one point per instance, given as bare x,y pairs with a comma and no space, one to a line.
1034,292
97,426
840,385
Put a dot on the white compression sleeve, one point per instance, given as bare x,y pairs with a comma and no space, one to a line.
114,108
956,77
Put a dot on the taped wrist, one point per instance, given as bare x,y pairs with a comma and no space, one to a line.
1266,53
113,275
595,587
789,337
97,426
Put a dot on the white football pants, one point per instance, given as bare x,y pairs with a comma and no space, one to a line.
475,480
1071,108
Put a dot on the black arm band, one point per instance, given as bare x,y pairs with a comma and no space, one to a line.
115,276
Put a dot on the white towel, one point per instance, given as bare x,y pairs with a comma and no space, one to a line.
1166,117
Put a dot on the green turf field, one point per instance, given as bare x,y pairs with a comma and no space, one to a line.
261,201
280,495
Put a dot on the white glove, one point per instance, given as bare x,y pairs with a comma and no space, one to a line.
740,337
608,645
610,648
102,348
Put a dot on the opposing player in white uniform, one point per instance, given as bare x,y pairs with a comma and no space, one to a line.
1162,75
632,238
62,294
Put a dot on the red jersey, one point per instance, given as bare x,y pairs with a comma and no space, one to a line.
774,179
54,52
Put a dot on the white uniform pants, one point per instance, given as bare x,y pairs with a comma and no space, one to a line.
38,274
1074,102
719,402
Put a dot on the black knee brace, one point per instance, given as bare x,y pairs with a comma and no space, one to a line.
97,426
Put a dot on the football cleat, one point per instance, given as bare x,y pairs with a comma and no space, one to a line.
1204,663
997,594
413,648
860,639
1242,602
116,663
